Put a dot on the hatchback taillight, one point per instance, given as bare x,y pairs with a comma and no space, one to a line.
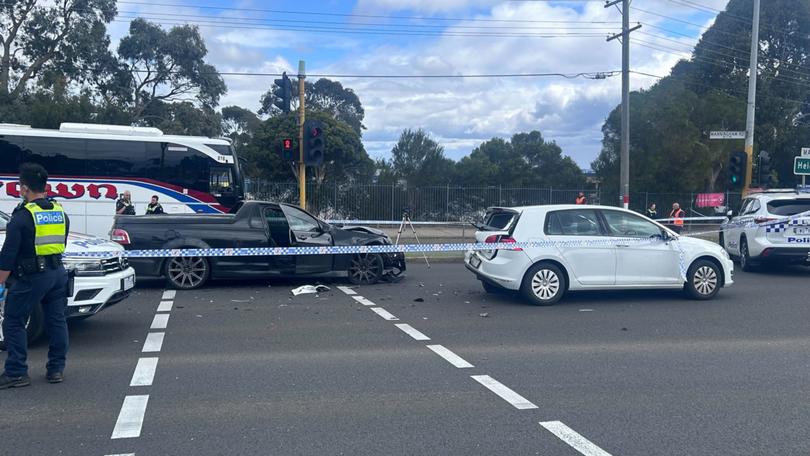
120,236
495,239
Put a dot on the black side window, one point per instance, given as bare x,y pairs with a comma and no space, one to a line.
60,156
553,226
277,223
11,153
116,158
186,167
575,222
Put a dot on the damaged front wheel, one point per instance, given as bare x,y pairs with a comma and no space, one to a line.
365,269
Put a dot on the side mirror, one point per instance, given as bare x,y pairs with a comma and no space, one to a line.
730,213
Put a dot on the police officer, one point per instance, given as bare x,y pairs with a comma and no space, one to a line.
124,204
32,253
154,207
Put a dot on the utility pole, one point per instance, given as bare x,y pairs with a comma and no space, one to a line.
624,161
302,167
752,99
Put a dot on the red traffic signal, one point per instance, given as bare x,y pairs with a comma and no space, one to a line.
288,149
288,144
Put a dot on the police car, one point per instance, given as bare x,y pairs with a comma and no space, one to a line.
98,283
771,227
571,248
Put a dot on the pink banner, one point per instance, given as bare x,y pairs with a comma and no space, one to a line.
710,199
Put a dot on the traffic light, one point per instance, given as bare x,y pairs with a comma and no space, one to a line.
284,93
737,163
764,168
288,150
314,142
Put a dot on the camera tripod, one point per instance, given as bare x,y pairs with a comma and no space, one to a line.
406,221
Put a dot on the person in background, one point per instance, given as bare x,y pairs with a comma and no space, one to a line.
124,204
154,207
651,211
677,215
581,198
32,255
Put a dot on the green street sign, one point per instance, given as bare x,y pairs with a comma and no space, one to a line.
801,166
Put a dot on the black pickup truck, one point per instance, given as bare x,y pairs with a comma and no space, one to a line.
252,224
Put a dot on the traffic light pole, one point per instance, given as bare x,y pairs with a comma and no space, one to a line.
302,167
752,99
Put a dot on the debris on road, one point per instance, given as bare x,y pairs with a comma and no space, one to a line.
419,300
484,315
309,289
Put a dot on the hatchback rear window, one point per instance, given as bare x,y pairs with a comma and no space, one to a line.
499,220
788,207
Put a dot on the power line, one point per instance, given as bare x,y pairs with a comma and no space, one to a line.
586,75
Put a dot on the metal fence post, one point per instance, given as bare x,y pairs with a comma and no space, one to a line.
447,210
392,203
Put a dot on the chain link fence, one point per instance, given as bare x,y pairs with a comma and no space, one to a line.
453,203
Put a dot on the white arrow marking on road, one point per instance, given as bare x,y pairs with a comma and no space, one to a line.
576,441
450,357
153,343
507,394
384,313
144,372
411,331
130,420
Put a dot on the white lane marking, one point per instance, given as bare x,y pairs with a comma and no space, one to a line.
169,294
160,321
363,301
384,313
576,441
153,343
411,331
518,401
144,372
122,454
347,290
165,306
450,357
130,419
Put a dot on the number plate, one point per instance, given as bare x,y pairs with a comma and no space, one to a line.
801,230
128,283
475,261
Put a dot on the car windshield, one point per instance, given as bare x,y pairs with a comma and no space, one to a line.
4,218
788,207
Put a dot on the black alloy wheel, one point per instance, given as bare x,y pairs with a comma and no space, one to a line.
365,269
187,273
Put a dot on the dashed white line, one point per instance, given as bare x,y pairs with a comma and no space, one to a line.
169,294
144,372
160,321
363,301
153,343
130,419
165,306
450,357
411,331
507,394
122,454
384,313
574,440
347,290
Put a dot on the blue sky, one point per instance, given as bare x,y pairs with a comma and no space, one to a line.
459,113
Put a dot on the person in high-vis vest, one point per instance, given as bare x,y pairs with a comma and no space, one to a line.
677,215
32,256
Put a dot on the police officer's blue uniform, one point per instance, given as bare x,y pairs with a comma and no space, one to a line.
35,238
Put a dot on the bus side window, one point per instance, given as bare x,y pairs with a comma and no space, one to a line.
120,158
11,152
59,156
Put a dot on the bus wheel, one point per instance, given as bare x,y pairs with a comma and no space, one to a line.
187,273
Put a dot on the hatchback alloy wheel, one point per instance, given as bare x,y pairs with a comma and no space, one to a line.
705,280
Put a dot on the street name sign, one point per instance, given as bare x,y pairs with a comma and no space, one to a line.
726,135
805,151
801,166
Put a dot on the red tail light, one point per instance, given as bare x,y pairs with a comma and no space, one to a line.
120,236
495,239
761,220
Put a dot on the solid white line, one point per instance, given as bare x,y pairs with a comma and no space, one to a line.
165,306
518,401
363,301
169,294
130,419
449,356
160,321
144,372
576,441
122,454
153,343
347,290
384,313
409,330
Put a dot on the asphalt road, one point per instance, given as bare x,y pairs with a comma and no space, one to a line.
246,369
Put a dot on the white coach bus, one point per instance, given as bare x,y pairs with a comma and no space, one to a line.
91,165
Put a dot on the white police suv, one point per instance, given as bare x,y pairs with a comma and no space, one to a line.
565,248
771,227
99,282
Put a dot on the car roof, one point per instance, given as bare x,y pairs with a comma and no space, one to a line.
556,207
